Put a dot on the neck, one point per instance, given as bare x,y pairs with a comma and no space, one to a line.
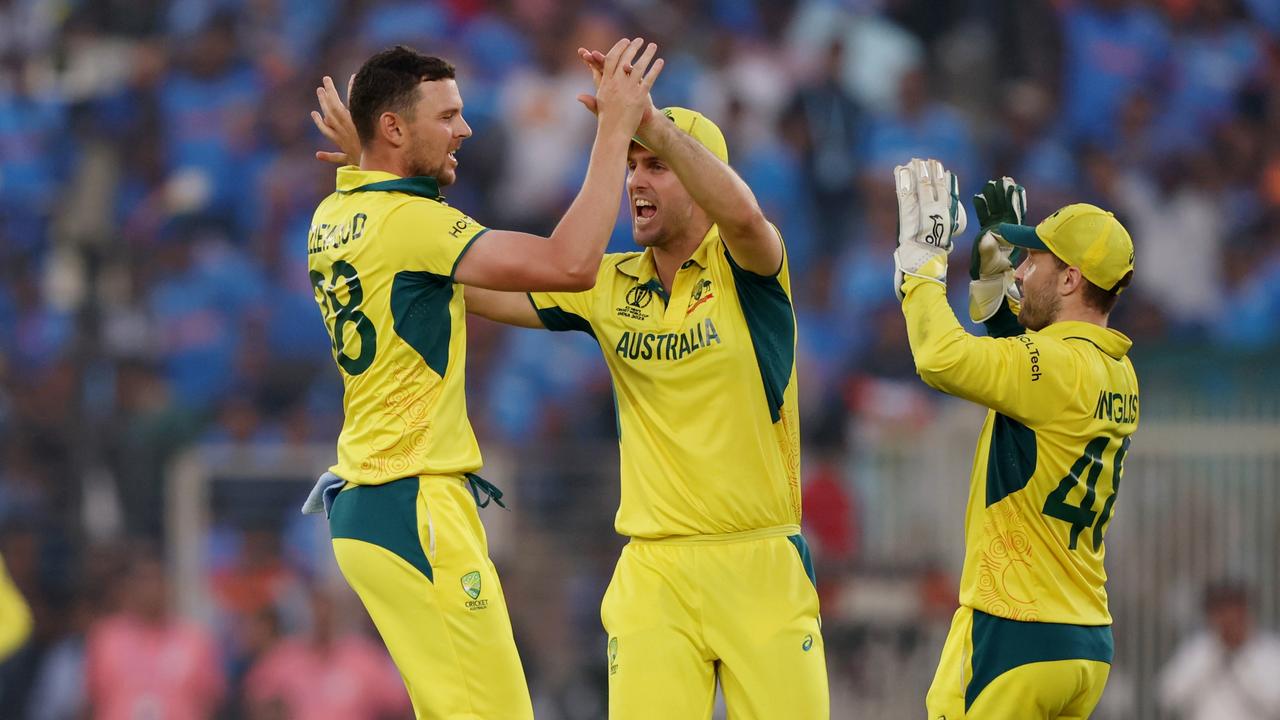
1078,312
668,258
382,159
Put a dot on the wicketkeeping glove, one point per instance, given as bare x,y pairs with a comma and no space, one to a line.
991,265
929,216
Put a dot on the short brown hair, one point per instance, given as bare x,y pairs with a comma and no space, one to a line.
388,82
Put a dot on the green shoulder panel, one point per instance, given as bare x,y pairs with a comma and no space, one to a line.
771,322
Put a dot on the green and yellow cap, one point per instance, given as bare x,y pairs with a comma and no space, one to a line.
700,128
1083,236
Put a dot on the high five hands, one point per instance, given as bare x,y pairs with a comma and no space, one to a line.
622,79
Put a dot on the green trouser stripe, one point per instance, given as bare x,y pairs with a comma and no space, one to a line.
802,547
384,515
1000,645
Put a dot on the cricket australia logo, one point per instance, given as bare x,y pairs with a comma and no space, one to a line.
613,655
471,586
701,293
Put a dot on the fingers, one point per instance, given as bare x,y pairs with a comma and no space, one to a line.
628,56
323,127
615,54
338,158
643,62
652,75
589,102
329,86
935,179
904,179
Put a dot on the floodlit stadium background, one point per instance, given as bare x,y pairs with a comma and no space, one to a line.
166,385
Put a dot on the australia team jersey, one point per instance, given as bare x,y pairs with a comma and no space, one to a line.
705,386
1064,404
382,251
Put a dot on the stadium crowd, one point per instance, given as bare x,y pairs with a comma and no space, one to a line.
157,180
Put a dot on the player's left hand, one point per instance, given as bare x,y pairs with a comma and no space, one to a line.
992,261
594,60
929,217
336,124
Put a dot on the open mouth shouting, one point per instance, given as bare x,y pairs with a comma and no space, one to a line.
643,210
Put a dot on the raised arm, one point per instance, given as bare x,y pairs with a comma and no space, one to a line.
717,189
713,185
1027,377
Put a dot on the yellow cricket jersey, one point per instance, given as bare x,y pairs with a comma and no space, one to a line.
382,251
1064,404
705,385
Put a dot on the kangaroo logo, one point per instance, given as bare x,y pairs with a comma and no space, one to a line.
935,233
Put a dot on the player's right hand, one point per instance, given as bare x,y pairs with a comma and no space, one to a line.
929,217
992,261
623,83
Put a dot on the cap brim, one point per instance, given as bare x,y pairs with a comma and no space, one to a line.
1023,236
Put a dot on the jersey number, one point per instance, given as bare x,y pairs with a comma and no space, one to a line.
1083,515
344,313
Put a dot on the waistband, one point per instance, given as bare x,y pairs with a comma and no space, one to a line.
721,538
329,485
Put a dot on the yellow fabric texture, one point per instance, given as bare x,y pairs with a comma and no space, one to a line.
381,264
450,636
676,618
705,389
1054,690
1063,405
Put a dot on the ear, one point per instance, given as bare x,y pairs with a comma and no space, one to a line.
391,129
1072,280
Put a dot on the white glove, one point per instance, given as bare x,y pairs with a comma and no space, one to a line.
929,216
991,266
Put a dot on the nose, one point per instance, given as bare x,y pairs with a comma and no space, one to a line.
636,179
465,130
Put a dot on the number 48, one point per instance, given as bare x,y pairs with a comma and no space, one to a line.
1083,515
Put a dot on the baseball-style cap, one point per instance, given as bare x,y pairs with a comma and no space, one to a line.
703,130
1083,236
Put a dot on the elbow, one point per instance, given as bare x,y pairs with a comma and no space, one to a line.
932,367
746,219
583,277
579,277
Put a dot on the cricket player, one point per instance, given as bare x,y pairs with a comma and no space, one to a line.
1032,637
15,616
387,257
699,335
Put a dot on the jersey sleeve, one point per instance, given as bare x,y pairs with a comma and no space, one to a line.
563,311
1029,377
425,235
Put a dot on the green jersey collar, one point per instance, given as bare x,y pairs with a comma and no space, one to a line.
352,179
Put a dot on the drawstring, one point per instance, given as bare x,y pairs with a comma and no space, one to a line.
479,485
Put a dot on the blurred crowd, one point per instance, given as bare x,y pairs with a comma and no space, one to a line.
157,181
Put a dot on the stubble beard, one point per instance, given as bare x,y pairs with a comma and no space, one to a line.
1040,309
